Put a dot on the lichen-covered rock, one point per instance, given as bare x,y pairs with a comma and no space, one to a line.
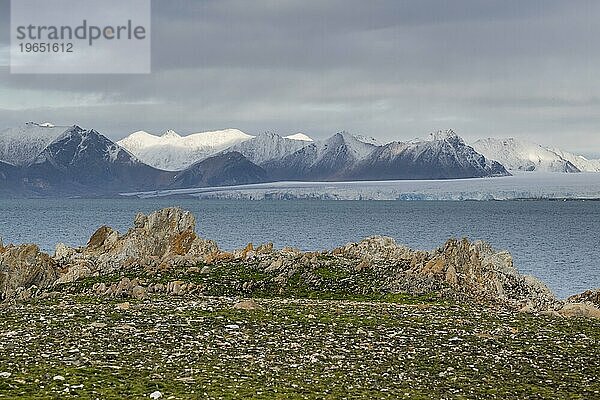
591,296
249,304
24,266
587,310
474,269
79,270
163,239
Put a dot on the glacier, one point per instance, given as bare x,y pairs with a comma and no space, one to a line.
521,185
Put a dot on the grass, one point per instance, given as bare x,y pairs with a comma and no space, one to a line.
392,347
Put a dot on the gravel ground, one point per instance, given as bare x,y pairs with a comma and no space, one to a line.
71,345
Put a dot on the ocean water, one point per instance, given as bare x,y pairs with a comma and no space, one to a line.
556,241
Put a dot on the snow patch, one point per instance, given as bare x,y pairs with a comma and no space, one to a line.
300,136
173,152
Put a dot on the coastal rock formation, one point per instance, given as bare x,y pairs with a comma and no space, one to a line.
162,254
23,268
586,304
163,239
587,310
591,296
474,269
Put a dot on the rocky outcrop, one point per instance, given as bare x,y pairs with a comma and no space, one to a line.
474,269
586,304
164,243
590,296
23,268
587,310
163,239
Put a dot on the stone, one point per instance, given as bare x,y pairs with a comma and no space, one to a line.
122,306
247,305
156,395
451,276
25,266
591,296
75,272
163,238
62,251
588,310
138,292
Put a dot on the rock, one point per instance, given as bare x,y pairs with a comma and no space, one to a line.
58,378
364,264
527,308
5,374
99,288
62,251
158,288
451,277
75,272
139,292
551,313
24,266
591,296
156,395
247,305
176,288
123,287
122,306
588,310
205,270
275,265
472,269
98,325
163,238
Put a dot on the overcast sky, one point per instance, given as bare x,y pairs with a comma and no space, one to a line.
392,69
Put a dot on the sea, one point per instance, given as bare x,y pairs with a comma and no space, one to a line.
556,241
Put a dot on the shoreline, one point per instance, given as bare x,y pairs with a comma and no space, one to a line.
159,311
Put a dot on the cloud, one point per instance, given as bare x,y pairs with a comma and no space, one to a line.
389,69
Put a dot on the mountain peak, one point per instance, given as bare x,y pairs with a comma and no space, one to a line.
442,135
170,134
300,136
367,140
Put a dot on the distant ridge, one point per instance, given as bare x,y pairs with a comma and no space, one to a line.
49,160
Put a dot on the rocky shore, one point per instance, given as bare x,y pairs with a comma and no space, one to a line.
160,311
162,254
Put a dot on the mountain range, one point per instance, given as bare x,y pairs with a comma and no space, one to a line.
41,159
522,155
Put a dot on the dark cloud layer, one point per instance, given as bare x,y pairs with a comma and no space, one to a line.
390,69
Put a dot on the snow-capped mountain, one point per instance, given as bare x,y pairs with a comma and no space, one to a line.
582,163
85,161
172,152
522,155
443,155
368,140
300,136
21,145
268,147
327,160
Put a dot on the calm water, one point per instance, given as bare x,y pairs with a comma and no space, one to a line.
555,241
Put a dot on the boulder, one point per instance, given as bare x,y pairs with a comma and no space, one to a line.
247,305
588,310
24,266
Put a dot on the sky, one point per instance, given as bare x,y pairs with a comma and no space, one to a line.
393,70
